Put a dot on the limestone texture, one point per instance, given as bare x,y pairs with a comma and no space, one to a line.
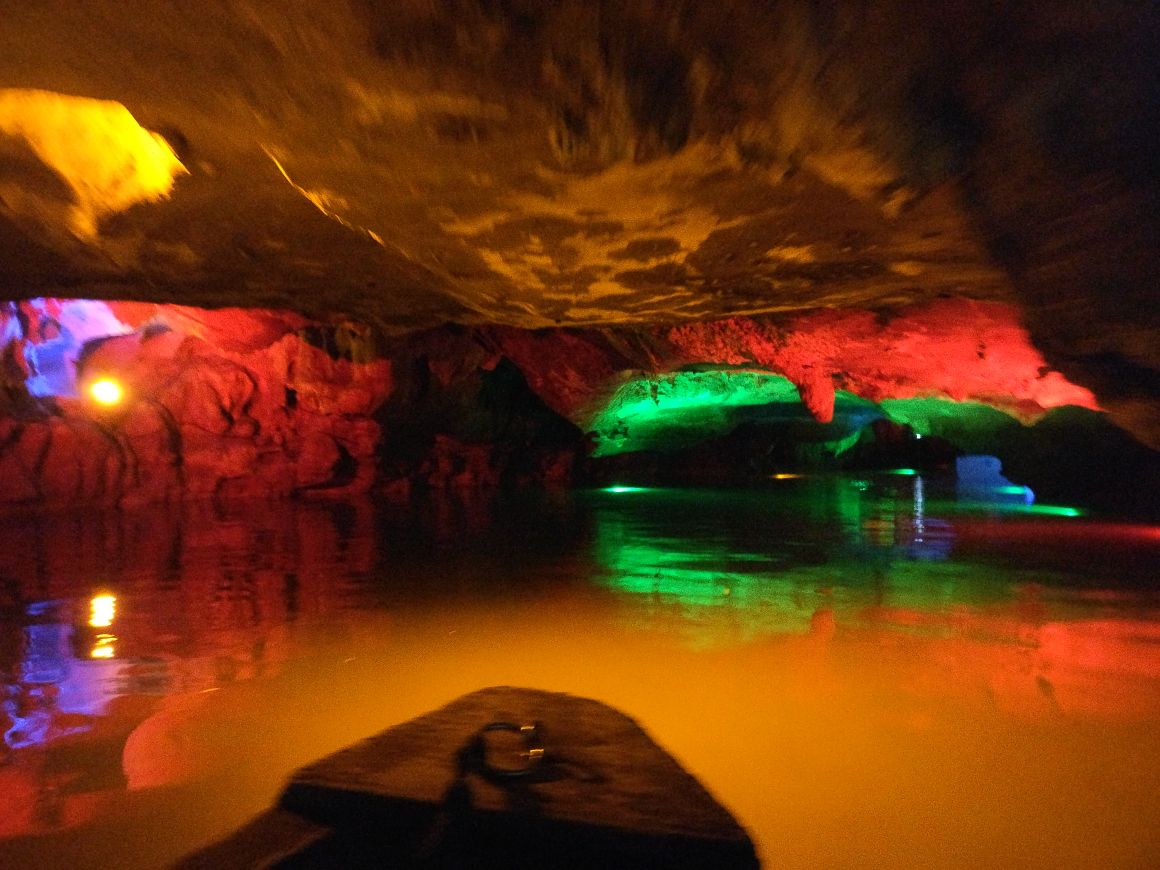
228,403
560,164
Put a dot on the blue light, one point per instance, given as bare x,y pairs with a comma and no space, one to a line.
52,360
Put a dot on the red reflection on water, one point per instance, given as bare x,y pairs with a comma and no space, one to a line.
1108,533
204,600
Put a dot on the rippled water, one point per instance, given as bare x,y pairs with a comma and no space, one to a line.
863,670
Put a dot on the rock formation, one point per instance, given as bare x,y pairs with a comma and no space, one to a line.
390,218
227,402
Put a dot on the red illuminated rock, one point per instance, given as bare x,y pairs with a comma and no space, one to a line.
953,349
228,402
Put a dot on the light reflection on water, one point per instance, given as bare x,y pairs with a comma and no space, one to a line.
862,670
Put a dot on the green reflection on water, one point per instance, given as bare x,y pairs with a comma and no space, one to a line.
725,565
1050,510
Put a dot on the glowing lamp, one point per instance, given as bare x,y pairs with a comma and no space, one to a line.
106,391
102,609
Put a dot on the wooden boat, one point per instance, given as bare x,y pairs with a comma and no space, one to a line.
502,777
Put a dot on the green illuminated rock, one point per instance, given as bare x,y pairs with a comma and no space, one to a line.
674,411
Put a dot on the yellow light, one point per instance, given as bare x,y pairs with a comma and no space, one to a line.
103,648
96,147
102,609
106,391
787,476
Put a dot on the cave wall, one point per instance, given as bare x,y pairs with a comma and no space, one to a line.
238,403
227,402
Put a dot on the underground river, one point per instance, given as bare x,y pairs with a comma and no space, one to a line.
866,670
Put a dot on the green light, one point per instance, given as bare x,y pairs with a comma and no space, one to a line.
903,472
1051,510
678,409
1043,510
1011,490
624,489
673,411
969,425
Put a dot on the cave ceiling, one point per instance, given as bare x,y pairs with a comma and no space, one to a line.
411,162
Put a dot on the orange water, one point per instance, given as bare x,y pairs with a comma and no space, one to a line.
862,683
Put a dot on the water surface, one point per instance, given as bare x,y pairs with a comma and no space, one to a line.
864,670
